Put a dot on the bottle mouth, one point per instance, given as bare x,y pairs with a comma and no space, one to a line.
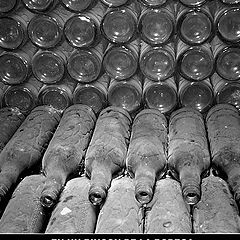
47,201
97,195
191,194
143,195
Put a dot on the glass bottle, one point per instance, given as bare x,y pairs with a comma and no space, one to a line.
126,94
195,63
153,3
40,6
121,62
7,6
193,3
197,95
147,158
119,25
3,88
230,2
160,95
188,154
93,94
227,60
157,63
78,6
58,95
226,92
106,153
62,158
23,96
115,3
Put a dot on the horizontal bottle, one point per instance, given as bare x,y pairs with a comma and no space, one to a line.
115,3
58,95
195,26
119,25
10,121
23,96
153,3
78,6
3,88
73,212
16,65
147,157
157,63
116,216
188,154
197,95
195,63
121,62
27,145
93,94
126,94
24,213
40,6
226,92
230,2
66,150
157,26
167,212
106,153
7,6
217,211
193,3
224,135
227,59
84,65
160,95
83,30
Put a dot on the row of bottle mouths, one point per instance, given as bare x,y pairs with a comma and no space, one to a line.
132,94
121,25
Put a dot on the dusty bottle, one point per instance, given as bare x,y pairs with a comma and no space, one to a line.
115,3
224,136
193,3
40,6
167,212
156,26
73,212
119,25
153,3
121,62
58,95
106,154
83,30
116,216
10,121
78,6
63,158
24,213
227,60
16,66
197,95
157,63
147,157
24,96
126,94
27,145
160,95
7,6
217,211
93,94
226,92
194,26
188,155
195,63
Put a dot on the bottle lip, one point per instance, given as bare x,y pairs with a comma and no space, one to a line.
83,55
20,37
31,5
145,59
226,50
199,50
8,7
195,84
39,20
163,110
23,65
114,3
145,35
221,35
37,70
153,3
112,14
190,13
115,71
189,3
91,25
75,7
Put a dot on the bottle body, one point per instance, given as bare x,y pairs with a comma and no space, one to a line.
153,3
193,3
78,6
115,3
40,6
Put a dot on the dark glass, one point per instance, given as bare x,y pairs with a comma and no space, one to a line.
193,3
197,95
39,5
93,94
114,3
126,94
78,5
48,66
160,95
230,2
121,62
153,3
157,63
7,5
228,25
